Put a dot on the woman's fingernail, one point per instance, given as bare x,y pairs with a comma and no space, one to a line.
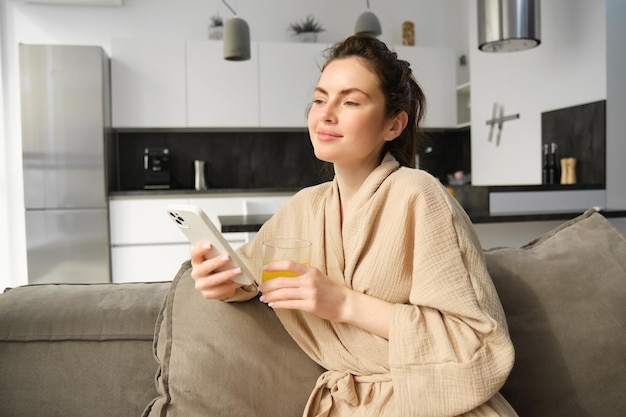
207,245
236,271
262,298
225,258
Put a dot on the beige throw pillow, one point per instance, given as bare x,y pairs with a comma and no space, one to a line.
564,296
226,359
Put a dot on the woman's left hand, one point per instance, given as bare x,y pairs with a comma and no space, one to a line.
316,293
312,291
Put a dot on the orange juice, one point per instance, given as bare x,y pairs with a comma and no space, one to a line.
275,274
285,249
267,275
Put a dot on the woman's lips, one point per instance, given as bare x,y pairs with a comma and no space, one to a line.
326,135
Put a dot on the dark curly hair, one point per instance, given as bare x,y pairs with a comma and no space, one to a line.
401,90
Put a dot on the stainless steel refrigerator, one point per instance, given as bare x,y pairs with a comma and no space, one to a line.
65,105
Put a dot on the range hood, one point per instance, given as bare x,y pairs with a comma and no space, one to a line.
108,3
508,25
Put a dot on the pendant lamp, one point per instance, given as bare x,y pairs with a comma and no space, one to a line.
368,23
236,38
508,25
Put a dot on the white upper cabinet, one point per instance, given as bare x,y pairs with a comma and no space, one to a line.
148,85
177,84
288,73
221,93
435,71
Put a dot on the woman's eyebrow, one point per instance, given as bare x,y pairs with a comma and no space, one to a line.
343,92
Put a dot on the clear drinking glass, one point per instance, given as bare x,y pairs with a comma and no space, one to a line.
288,249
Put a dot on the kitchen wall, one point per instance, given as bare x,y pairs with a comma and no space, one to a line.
616,104
5,190
567,69
438,23
582,59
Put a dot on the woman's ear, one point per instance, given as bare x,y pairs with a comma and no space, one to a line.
398,123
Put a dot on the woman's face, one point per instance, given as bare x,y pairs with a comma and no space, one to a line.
346,122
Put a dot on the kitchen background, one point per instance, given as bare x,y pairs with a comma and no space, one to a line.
579,61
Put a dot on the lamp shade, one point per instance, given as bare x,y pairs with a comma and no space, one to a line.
508,25
236,40
368,23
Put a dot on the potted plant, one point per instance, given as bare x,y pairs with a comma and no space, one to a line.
216,27
306,30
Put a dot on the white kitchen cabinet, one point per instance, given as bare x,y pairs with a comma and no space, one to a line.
233,206
147,246
147,263
219,206
435,71
148,87
225,206
178,84
143,221
221,93
288,73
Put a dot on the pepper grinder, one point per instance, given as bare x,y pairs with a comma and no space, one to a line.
200,182
552,165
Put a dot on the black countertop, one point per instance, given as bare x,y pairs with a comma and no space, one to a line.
245,223
252,223
535,217
472,191
211,192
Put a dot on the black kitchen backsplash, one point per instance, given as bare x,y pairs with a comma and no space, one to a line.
579,132
257,159
234,160
446,152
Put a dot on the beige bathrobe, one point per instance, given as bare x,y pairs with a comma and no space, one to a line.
408,242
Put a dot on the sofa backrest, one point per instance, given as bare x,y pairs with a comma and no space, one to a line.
77,350
564,295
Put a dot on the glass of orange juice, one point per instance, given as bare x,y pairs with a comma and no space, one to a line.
287,249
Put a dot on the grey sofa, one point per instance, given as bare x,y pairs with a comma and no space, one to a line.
159,349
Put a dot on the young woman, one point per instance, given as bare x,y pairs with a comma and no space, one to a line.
397,303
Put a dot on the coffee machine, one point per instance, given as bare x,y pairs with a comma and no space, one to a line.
156,165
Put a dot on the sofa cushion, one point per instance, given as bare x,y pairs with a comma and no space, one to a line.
81,311
564,295
226,359
78,350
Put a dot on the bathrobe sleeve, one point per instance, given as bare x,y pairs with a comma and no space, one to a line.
449,347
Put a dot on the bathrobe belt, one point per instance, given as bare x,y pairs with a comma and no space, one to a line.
341,386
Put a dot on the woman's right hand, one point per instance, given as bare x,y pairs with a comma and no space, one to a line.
213,284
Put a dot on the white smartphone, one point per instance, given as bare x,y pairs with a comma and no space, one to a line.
197,227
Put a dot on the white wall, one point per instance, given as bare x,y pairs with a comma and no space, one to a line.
616,104
438,23
568,68
5,236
